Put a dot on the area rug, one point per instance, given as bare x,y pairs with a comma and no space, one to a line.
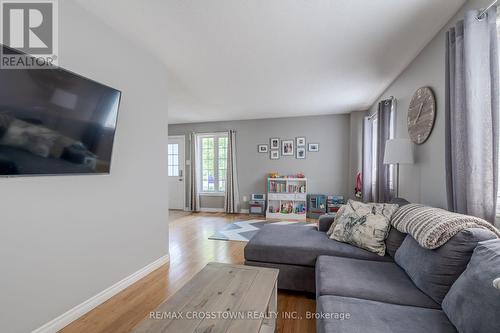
243,231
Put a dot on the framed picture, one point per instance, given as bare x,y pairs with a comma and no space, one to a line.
275,143
301,153
275,154
262,148
313,147
300,141
287,148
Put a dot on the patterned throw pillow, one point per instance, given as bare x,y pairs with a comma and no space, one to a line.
364,225
339,213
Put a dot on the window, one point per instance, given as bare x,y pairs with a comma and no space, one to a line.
173,159
213,151
375,158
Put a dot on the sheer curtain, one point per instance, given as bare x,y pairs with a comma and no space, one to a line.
232,197
471,119
385,131
377,176
367,167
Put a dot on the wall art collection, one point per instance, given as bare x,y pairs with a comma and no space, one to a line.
287,147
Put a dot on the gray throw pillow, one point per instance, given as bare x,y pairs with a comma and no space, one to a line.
473,303
434,271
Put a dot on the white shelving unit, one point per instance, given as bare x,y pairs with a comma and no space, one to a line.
287,198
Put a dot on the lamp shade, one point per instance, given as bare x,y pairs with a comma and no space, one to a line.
398,151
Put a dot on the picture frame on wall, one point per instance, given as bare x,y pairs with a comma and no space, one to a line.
287,148
274,143
313,147
262,148
300,141
301,153
275,154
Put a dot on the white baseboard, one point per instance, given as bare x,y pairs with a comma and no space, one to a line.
244,211
186,209
81,309
212,210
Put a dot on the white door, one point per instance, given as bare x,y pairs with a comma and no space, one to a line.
176,183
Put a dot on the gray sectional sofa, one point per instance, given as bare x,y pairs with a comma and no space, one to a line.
407,290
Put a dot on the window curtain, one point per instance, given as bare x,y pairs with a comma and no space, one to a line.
231,197
377,182
471,115
367,160
194,182
383,190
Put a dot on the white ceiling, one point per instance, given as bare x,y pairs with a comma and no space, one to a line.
247,59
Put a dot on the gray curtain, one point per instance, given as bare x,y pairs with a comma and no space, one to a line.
471,116
232,197
383,190
194,182
367,160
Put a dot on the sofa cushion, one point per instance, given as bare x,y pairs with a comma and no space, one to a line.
399,201
291,277
473,303
396,237
364,225
434,271
299,245
358,315
325,221
373,280
394,241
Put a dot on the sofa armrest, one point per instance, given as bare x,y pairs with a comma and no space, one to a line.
325,221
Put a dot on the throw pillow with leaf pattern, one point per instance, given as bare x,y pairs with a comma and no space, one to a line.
365,225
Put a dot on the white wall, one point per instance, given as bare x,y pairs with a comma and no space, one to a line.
65,239
425,182
327,170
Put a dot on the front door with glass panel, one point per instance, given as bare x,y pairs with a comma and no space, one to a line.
176,184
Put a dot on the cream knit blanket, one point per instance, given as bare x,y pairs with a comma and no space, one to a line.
432,227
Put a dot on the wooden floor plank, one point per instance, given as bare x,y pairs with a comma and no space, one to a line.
190,251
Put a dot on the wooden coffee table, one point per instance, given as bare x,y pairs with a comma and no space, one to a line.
220,298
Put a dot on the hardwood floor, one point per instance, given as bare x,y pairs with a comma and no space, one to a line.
190,251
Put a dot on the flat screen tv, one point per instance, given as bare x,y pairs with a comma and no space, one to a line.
55,122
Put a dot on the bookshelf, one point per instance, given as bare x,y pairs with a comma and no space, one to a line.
287,198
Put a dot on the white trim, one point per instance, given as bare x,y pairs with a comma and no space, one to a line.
73,314
177,137
183,164
215,137
212,194
211,210
244,211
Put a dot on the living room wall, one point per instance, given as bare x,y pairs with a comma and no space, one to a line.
327,170
424,181
65,239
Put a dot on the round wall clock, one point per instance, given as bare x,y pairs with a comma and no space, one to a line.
421,115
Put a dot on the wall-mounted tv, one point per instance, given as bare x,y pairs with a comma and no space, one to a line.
55,122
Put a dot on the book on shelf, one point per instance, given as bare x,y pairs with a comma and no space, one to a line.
282,187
